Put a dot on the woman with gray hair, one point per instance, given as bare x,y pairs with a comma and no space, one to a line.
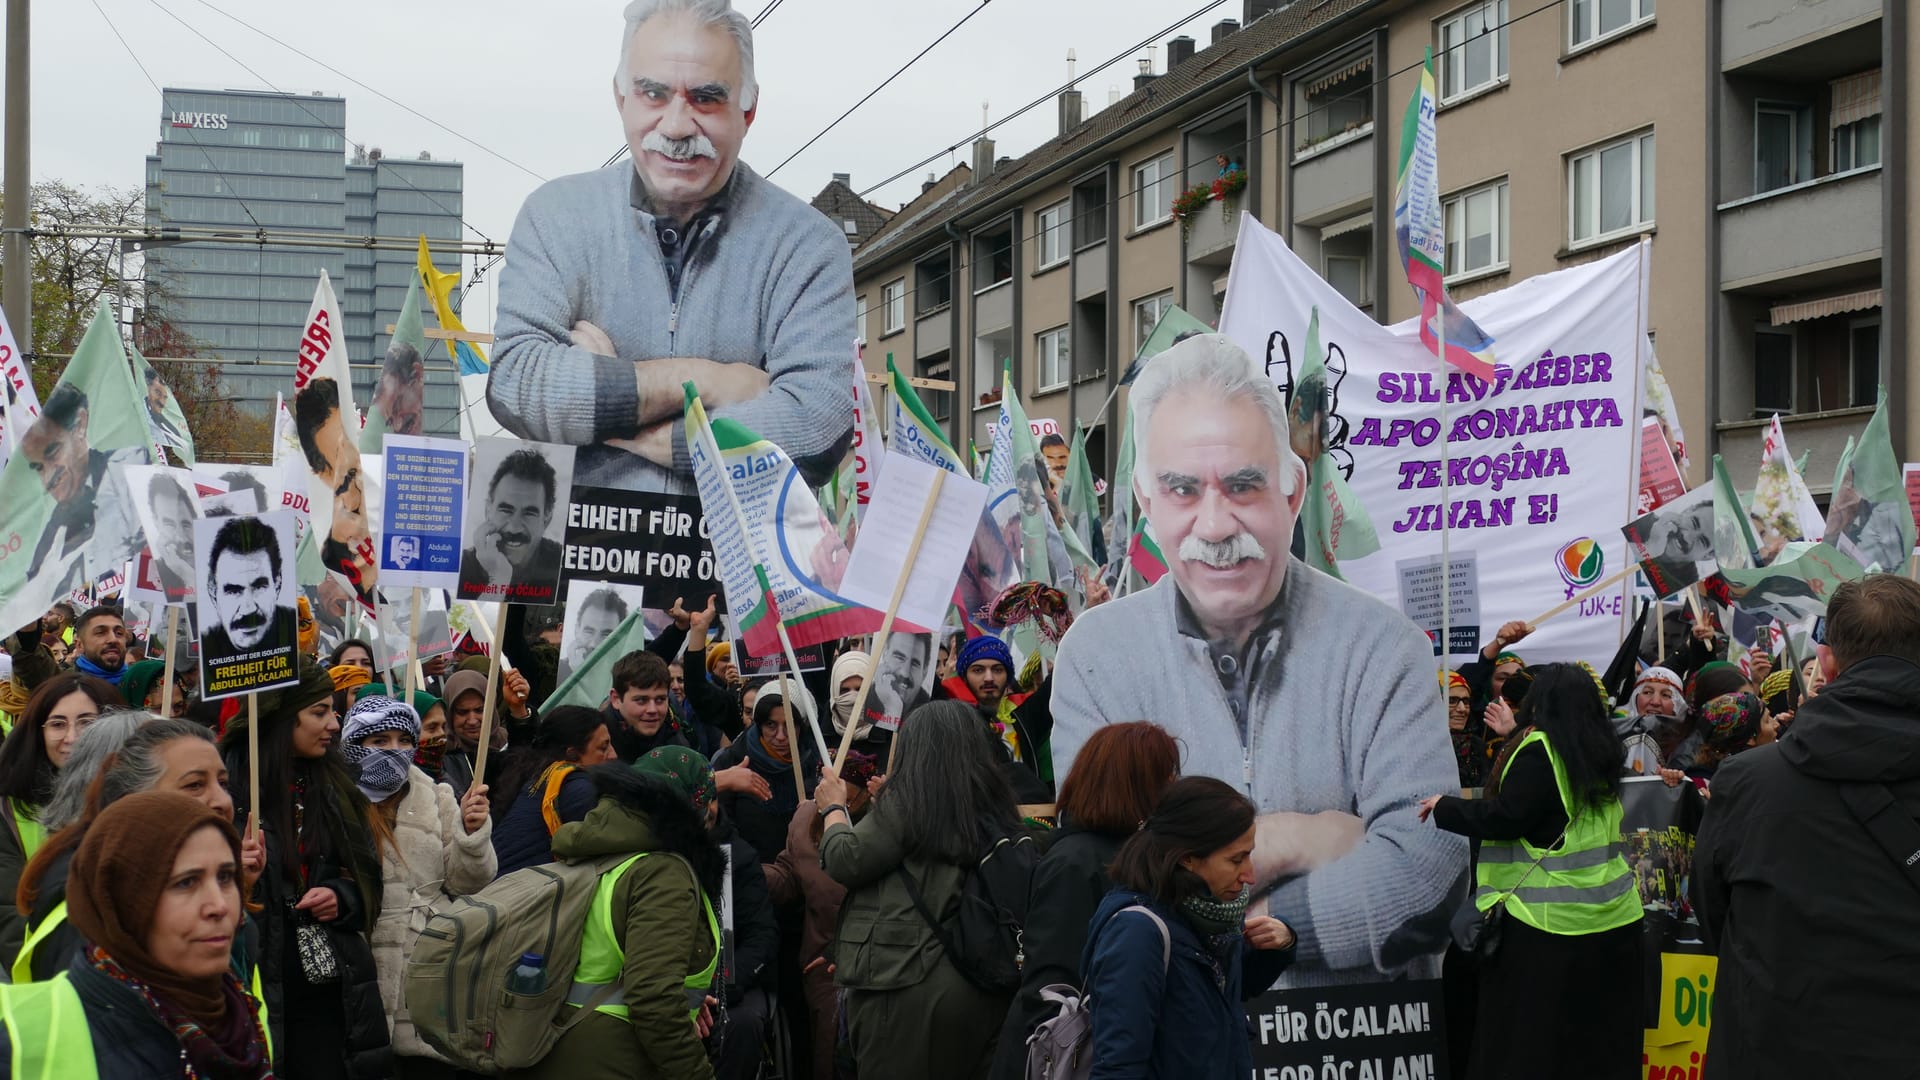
149,755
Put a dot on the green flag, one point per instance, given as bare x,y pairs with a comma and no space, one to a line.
1733,543
1082,505
164,416
588,684
69,519
1174,323
1869,518
401,390
1335,524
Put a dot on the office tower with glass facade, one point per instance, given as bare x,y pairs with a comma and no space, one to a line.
250,161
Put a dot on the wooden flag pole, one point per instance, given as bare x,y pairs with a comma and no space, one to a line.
253,764
166,692
493,684
1659,631
793,740
413,645
1587,595
1693,601
886,624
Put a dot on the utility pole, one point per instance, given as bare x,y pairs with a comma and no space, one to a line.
18,293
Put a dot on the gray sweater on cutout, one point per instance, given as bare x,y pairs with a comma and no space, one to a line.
770,284
1344,714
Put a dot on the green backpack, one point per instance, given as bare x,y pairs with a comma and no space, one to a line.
456,988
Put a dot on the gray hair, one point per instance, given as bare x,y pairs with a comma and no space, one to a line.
138,766
718,14
1214,365
91,749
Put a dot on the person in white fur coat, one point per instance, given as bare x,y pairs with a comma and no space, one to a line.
430,844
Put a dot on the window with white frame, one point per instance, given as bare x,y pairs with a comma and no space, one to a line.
1476,225
1050,226
1856,145
1347,273
1153,191
1146,315
1782,145
1592,20
1610,189
860,317
1473,49
1772,370
1056,358
893,300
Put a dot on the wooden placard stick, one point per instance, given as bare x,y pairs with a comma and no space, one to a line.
493,685
173,634
886,626
253,764
793,738
413,646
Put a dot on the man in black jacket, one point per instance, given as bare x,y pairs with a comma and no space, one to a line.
1807,869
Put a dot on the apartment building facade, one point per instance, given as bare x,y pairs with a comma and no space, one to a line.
1745,138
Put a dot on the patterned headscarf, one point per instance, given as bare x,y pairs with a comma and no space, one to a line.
718,654
1732,720
1777,683
349,676
1508,658
684,770
381,773
1451,679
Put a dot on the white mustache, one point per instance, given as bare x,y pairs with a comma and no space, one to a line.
693,146
1222,554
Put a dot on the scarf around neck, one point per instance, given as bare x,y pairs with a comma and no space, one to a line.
82,664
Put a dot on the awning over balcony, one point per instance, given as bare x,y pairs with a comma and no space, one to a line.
1341,74
1345,226
1855,98
1864,300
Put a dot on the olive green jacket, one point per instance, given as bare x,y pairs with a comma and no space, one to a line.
883,943
664,938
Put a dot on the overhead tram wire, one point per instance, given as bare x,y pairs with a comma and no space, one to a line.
468,139
1051,94
396,174
191,137
883,85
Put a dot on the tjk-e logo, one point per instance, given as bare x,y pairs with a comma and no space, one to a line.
215,121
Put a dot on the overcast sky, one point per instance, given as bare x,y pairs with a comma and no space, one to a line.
532,81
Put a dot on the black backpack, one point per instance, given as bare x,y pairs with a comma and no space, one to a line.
983,939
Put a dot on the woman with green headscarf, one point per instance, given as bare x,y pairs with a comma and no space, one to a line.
660,941
144,685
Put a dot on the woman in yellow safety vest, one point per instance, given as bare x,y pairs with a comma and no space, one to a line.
31,758
1561,996
158,755
651,948
156,896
